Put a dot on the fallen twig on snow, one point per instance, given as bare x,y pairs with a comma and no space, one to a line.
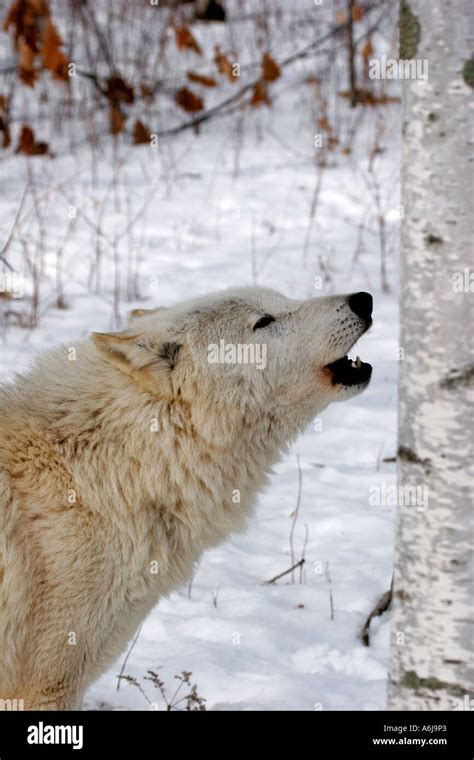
290,570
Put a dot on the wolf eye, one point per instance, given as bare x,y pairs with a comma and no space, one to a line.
263,321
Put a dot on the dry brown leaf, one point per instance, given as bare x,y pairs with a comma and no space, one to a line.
224,66
28,145
260,95
119,91
5,132
33,33
357,13
25,16
26,69
26,140
146,91
200,79
366,53
186,41
341,17
141,133
188,100
117,120
52,56
40,7
367,49
270,68
324,124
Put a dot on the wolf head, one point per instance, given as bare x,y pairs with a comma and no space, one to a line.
247,351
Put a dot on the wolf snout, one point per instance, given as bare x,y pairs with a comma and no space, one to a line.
362,304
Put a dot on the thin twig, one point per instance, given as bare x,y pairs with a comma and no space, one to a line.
351,53
329,581
191,580
290,570
295,513
88,14
303,552
312,212
124,664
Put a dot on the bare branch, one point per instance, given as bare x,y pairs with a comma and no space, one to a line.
12,231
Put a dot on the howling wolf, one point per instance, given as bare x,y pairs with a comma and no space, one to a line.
123,457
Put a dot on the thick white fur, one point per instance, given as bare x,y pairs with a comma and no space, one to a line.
122,462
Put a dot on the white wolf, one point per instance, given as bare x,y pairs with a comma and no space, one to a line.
120,462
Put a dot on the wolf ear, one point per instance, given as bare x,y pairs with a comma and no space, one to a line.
135,314
149,361
118,348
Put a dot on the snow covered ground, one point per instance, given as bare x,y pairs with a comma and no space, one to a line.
223,209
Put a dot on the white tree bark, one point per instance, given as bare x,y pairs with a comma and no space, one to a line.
431,664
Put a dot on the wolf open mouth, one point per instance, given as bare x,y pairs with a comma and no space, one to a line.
346,371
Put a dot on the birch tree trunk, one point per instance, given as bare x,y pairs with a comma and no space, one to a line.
431,664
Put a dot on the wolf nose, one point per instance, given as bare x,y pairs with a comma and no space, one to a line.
361,304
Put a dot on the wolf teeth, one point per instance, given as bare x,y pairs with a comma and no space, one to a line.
357,364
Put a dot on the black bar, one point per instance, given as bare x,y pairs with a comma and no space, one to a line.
316,734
